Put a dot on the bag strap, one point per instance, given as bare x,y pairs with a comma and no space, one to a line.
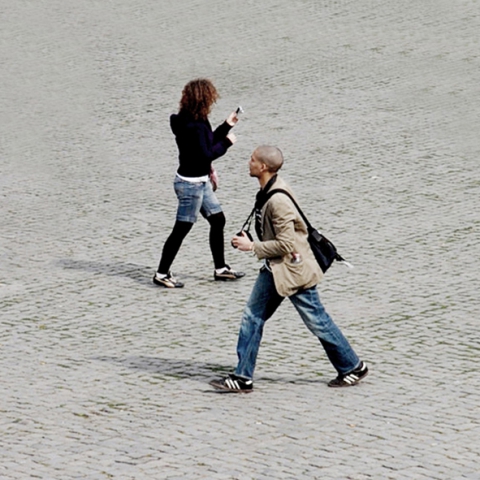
281,190
248,221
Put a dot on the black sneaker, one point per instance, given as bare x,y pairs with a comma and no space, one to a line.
233,383
168,281
228,274
351,378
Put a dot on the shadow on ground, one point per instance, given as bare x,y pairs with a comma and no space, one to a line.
139,273
176,368
167,366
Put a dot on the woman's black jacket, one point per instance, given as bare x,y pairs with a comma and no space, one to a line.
197,144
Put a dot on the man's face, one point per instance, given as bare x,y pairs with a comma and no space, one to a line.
256,167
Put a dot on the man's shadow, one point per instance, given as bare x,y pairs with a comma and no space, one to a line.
170,367
185,369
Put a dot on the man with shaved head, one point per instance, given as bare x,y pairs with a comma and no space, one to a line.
289,270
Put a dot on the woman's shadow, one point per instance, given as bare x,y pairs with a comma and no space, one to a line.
139,273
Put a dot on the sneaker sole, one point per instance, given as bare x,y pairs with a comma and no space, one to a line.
222,389
227,279
161,284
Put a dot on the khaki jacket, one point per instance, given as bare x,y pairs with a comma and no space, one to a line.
285,233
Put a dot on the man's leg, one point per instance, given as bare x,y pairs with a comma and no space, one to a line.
318,321
263,302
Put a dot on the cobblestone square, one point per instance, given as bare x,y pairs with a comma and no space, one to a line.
375,104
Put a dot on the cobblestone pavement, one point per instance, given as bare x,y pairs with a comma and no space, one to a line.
103,375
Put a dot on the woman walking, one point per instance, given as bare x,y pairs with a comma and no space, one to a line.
198,146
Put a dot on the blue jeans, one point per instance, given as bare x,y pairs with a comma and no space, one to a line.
195,198
263,302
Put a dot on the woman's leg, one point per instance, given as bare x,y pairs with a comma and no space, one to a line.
212,211
172,245
190,197
217,245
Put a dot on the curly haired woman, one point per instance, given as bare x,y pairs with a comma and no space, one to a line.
198,147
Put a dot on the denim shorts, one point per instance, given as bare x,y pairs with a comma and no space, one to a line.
194,198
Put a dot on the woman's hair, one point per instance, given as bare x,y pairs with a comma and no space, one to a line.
198,96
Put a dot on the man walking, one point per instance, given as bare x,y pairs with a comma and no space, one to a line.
289,270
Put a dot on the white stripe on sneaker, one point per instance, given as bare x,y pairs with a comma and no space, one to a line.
233,384
351,378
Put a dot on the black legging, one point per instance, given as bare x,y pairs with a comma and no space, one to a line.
180,231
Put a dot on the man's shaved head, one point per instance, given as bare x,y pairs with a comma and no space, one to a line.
272,157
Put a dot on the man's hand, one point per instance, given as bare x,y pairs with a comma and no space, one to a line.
242,242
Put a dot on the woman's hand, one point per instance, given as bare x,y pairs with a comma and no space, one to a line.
232,119
232,137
